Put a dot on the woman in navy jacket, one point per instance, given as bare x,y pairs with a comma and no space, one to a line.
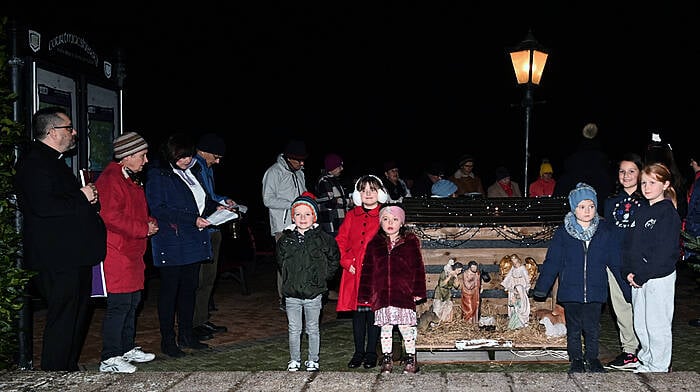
178,201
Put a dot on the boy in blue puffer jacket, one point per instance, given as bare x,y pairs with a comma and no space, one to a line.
578,254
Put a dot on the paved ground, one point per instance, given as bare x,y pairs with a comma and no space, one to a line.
347,381
252,354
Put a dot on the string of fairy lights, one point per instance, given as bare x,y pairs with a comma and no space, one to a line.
456,239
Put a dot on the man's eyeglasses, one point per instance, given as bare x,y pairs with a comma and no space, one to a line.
69,128
216,157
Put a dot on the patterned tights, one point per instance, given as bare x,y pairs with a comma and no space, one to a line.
408,332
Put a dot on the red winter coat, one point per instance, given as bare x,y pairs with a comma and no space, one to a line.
354,234
392,278
125,213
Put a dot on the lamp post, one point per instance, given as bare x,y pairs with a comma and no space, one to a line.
528,58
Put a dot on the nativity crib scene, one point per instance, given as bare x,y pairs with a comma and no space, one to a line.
459,316
482,258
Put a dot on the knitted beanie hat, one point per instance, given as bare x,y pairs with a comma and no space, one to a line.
546,167
395,211
501,173
582,192
332,161
128,144
295,149
212,143
308,199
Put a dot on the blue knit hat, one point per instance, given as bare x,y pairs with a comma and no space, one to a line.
443,188
582,192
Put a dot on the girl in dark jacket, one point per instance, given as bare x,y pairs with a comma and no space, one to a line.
649,265
392,280
578,254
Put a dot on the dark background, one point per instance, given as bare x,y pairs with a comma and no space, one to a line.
410,81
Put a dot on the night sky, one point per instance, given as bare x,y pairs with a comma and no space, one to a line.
410,81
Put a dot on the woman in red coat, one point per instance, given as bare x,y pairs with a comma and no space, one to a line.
358,228
129,225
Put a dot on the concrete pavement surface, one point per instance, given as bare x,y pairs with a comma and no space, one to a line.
16,381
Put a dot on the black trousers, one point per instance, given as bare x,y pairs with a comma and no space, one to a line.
363,327
67,294
582,320
119,324
177,294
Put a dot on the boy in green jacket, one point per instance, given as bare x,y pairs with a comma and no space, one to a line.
308,257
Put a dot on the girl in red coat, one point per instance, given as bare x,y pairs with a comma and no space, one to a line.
392,280
358,228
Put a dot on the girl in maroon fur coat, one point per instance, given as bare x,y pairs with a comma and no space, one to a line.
392,280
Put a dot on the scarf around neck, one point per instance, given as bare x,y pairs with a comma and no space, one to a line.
577,231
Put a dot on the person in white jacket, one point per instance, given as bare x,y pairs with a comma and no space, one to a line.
283,182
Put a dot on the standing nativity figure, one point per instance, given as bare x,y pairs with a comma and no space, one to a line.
517,284
471,292
448,280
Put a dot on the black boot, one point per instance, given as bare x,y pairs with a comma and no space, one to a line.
171,349
355,361
576,366
191,341
594,366
370,360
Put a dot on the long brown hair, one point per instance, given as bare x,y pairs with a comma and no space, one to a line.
663,174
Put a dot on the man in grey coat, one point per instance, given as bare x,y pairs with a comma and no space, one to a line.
282,182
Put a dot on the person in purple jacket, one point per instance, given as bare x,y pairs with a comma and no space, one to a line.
649,265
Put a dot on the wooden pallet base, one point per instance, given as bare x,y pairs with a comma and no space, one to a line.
494,354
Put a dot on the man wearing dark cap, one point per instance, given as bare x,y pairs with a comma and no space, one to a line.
210,150
333,203
503,186
395,186
283,182
422,187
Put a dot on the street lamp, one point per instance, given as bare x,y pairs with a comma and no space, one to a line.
528,58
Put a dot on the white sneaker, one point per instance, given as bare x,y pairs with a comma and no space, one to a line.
293,366
136,355
116,365
311,366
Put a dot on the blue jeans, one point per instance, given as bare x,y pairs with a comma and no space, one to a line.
311,313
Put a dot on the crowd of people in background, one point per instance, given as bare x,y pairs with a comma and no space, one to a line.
337,243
